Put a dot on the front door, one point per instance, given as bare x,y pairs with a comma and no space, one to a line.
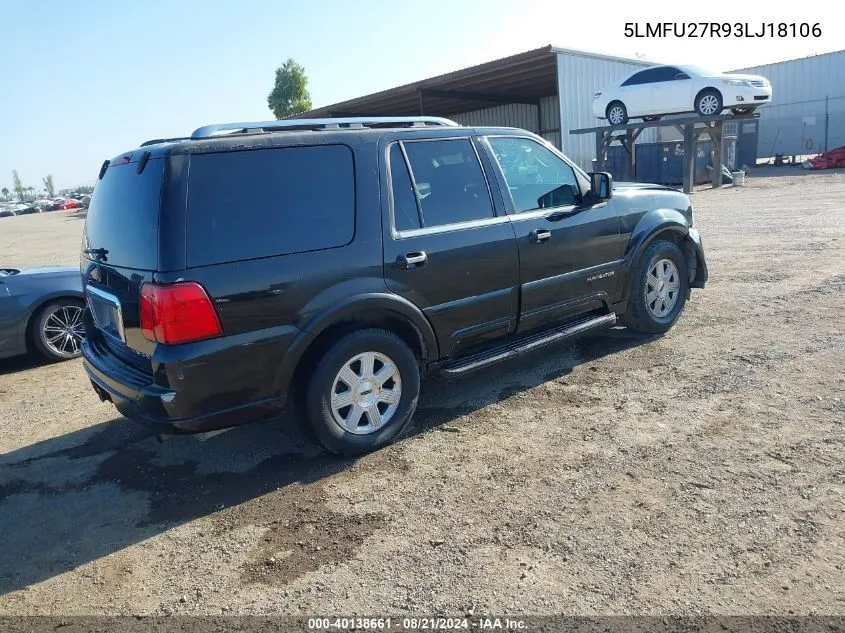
570,253
446,249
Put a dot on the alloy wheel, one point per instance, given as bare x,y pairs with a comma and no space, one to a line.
63,330
366,393
616,115
708,104
662,287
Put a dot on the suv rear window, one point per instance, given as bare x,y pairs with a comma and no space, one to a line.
123,216
259,203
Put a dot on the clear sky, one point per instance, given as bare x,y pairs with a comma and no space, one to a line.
83,81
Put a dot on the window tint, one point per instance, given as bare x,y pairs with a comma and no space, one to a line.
449,181
666,73
405,212
651,75
249,204
123,216
636,79
536,177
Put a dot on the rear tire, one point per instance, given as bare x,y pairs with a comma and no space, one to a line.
659,287
381,401
58,330
616,113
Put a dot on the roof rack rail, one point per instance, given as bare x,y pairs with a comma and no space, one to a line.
156,141
320,124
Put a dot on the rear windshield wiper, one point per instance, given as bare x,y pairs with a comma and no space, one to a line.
99,253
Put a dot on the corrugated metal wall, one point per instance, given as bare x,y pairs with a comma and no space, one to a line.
579,77
808,95
519,115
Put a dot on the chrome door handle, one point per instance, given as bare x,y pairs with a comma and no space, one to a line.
538,236
414,259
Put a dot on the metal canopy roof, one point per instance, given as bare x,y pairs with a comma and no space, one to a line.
522,78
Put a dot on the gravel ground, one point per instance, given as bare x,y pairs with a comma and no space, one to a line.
698,472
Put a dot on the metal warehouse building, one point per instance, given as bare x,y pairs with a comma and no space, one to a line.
807,112
547,91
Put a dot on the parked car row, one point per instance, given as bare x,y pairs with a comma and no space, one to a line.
45,204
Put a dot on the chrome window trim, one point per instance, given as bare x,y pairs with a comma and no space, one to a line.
440,228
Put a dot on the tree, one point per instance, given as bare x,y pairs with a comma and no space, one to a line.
50,186
31,191
5,193
290,93
17,184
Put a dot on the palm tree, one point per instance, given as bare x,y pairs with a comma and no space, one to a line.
5,193
31,190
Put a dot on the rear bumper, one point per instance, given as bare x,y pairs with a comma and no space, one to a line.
214,391
140,405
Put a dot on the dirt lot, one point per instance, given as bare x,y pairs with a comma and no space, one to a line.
700,472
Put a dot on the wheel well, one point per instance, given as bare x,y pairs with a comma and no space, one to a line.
607,109
392,322
33,314
683,243
703,90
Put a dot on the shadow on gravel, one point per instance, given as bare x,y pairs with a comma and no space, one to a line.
21,363
72,499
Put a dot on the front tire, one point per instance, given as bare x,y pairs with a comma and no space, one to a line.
708,102
659,289
363,392
616,113
57,331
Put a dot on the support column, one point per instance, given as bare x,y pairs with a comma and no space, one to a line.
689,156
718,160
632,160
601,151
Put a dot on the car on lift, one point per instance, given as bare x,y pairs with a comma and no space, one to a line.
41,311
330,264
658,90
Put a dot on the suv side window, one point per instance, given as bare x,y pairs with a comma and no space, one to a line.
406,214
450,185
536,177
261,203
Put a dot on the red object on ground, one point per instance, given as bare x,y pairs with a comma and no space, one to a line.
829,160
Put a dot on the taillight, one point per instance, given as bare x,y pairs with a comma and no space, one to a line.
177,313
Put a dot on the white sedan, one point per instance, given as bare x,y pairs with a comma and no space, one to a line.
657,90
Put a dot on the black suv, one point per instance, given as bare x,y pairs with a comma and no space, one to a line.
330,264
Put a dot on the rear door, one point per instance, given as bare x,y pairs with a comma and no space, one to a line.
673,91
570,252
120,252
635,93
447,248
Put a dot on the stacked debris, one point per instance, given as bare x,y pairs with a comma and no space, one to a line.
829,160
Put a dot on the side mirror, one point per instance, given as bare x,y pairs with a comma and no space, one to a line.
601,186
